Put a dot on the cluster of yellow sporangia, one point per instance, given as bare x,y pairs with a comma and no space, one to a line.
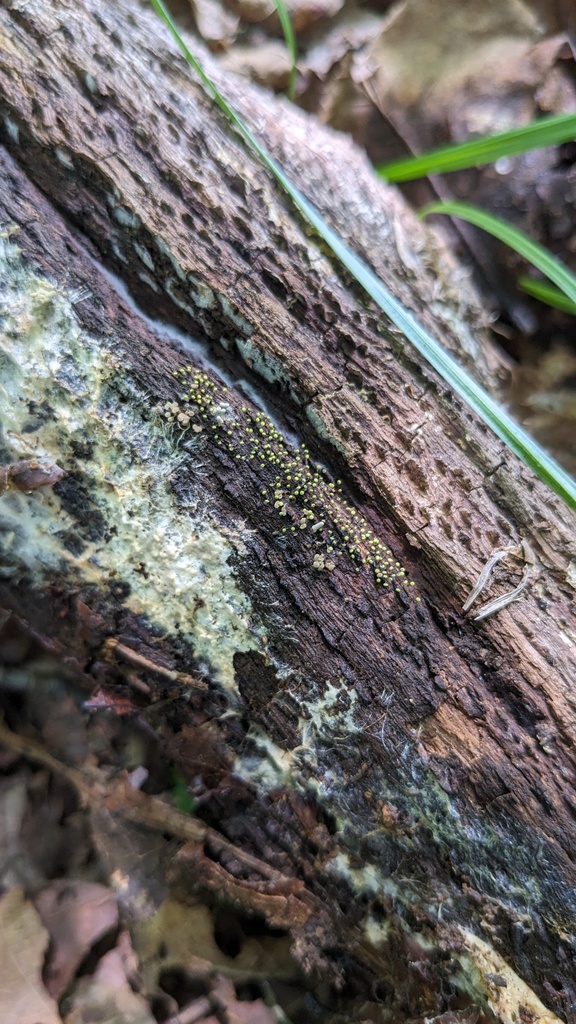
297,490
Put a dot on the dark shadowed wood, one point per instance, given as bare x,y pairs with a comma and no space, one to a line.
404,738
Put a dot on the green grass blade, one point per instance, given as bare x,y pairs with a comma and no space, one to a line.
548,131
532,251
290,39
494,415
547,293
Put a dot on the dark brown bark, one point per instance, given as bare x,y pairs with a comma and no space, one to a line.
428,760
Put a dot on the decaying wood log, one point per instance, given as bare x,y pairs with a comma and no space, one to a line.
413,767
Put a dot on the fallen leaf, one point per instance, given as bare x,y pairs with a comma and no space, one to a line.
191,939
215,24
77,915
303,13
23,942
448,72
429,51
13,802
253,11
108,996
236,1011
267,64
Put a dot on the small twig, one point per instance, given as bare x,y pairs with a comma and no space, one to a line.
502,602
128,654
486,573
530,570
118,796
198,1009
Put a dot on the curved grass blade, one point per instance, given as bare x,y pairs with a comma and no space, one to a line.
532,251
548,131
292,45
547,293
479,400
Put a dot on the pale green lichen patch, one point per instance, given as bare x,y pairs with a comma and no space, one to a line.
485,971
262,362
269,766
236,318
63,397
299,494
323,718
322,430
331,713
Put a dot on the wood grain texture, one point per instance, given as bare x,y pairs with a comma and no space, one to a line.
445,760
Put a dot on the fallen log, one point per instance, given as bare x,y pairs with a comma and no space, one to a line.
269,495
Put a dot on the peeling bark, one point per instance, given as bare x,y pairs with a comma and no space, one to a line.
415,769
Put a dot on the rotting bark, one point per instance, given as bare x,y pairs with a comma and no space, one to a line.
414,768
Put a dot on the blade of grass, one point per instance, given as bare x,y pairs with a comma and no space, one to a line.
292,45
532,251
548,131
479,400
547,293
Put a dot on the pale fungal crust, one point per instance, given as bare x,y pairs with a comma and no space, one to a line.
325,716
328,714
484,974
481,972
59,391
269,766
510,998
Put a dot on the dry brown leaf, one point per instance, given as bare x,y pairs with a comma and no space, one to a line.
215,24
303,13
327,75
23,942
268,64
253,11
429,50
108,997
186,935
77,915
349,34
54,835
447,72
13,803
237,1011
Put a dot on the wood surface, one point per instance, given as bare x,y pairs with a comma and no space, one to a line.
422,764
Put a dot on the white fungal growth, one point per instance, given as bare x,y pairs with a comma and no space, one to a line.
167,252
12,130
169,285
63,159
145,256
90,82
148,280
201,293
59,391
508,996
117,251
125,218
237,319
